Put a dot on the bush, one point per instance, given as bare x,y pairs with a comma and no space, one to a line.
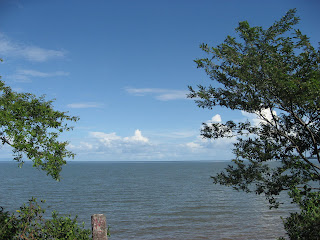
29,223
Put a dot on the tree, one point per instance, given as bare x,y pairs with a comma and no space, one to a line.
31,127
273,73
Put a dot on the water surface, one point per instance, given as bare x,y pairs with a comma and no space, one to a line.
147,200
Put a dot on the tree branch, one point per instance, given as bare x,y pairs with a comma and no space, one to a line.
315,167
4,140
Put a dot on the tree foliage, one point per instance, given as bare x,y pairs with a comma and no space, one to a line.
273,73
31,126
306,224
29,224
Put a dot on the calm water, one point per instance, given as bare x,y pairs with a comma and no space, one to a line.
158,200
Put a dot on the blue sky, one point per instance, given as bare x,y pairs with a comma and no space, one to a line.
123,67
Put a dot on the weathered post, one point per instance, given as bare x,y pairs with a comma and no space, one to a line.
99,227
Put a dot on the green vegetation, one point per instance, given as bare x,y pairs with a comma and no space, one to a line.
30,224
31,127
273,73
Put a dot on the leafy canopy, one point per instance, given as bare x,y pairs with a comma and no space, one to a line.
31,127
273,73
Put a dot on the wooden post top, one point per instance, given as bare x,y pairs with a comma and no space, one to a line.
99,227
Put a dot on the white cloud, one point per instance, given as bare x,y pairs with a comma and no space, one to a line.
257,119
106,146
84,105
158,93
106,138
221,148
193,145
143,91
37,54
176,134
23,75
109,139
248,115
34,73
267,114
19,78
172,95
216,118
31,53
137,137
111,146
82,146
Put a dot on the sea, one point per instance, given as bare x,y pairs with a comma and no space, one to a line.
147,200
